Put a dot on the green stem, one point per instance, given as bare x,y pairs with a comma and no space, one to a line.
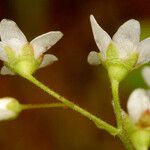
99,123
116,102
126,140
117,109
38,106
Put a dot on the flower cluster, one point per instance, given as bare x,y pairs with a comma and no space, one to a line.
120,55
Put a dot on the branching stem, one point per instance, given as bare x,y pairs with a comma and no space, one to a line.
99,123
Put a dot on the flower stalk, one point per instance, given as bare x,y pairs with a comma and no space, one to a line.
39,106
117,109
116,102
99,123
126,140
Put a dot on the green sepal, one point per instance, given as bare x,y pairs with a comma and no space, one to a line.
25,63
117,72
15,107
118,68
128,125
141,139
112,52
130,62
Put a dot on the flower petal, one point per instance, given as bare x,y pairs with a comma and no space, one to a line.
48,59
45,41
102,39
93,58
3,55
6,71
7,112
146,75
144,51
16,45
127,37
9,30
138,102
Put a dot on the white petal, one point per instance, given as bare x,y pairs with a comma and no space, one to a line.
138,102
48,59
9,30
93,58
102,39
144,51
127,37
3,55
6,71
146,75
16,45
45,41
5,113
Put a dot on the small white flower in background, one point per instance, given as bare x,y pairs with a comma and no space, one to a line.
139,107
9,108
20,55
125,45
139,112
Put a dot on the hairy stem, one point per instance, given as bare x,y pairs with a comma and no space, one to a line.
116,102
99,123
117,109
126,140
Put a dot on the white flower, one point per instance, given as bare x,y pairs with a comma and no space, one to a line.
126,41
139,105
14,47
146,75
139,102
9,108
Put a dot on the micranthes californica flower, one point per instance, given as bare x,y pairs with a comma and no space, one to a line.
21,56
123,52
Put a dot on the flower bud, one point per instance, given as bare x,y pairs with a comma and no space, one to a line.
9,108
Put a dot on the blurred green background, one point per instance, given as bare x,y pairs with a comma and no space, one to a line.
71,76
